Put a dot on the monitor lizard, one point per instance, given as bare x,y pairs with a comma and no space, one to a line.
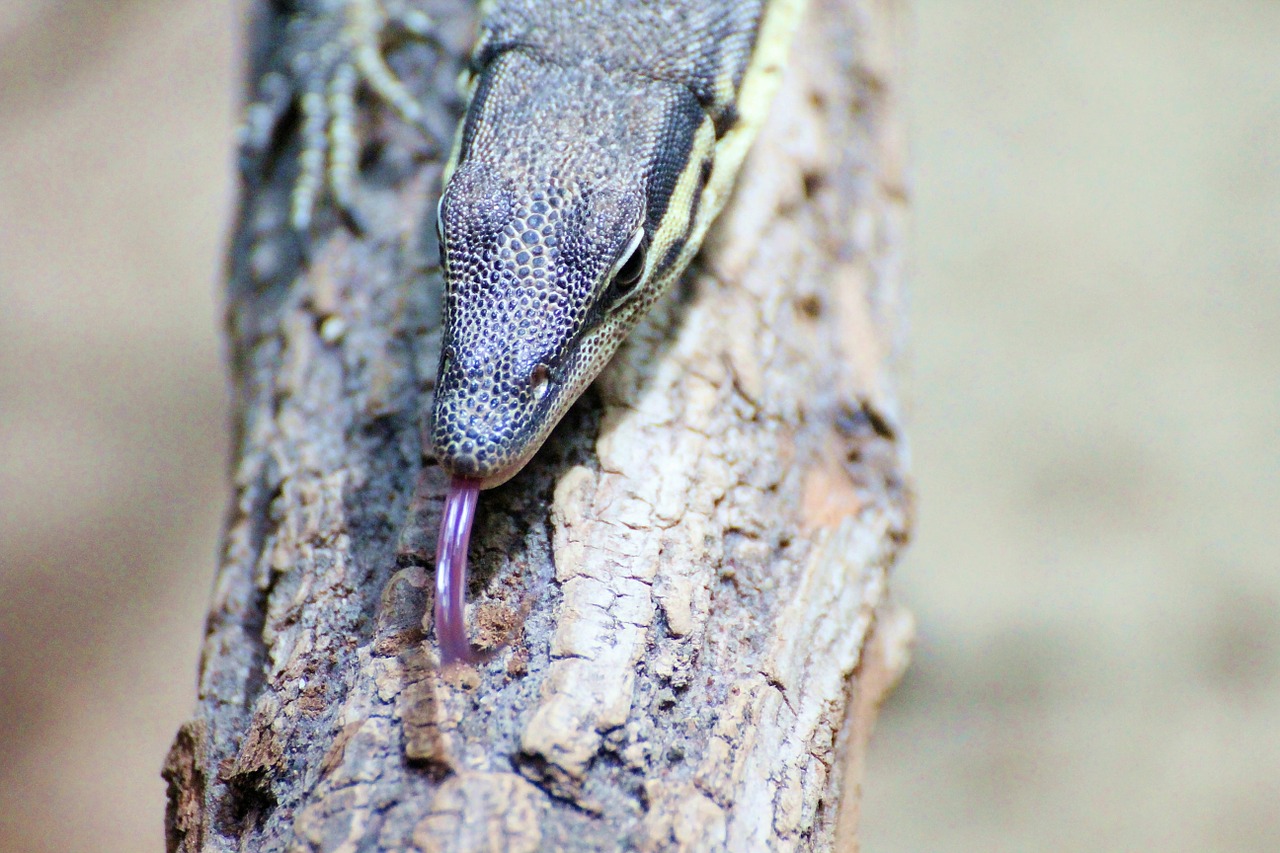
600,140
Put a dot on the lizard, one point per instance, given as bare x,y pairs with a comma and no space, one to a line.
600,140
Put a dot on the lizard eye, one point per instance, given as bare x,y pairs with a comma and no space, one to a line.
629,270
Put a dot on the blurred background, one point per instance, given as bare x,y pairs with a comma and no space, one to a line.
1093,389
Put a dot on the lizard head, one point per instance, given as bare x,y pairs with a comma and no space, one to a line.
542,286
565,216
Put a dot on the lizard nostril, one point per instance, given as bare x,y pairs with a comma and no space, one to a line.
447,357
540,381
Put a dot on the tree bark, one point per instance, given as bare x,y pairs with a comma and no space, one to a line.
692,576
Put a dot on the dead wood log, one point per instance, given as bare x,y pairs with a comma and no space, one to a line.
692,575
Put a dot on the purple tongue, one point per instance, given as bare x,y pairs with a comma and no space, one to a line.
451,572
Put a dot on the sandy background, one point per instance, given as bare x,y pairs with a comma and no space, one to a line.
1094,392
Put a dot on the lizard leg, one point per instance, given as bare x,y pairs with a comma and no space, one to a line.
329,51
366,22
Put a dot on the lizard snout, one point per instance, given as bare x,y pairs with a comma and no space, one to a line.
487,422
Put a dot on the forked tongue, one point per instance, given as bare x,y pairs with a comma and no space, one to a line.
451,573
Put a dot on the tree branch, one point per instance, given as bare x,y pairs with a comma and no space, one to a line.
692,575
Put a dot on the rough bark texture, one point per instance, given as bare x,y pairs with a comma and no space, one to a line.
692,575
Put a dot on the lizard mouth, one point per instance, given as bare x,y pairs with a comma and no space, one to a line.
472,467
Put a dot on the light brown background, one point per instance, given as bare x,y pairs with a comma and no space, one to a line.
1094,398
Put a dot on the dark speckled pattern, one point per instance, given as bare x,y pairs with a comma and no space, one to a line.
584,117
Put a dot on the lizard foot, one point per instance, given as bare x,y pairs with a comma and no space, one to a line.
331,47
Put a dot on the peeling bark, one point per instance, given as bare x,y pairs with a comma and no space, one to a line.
691,577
